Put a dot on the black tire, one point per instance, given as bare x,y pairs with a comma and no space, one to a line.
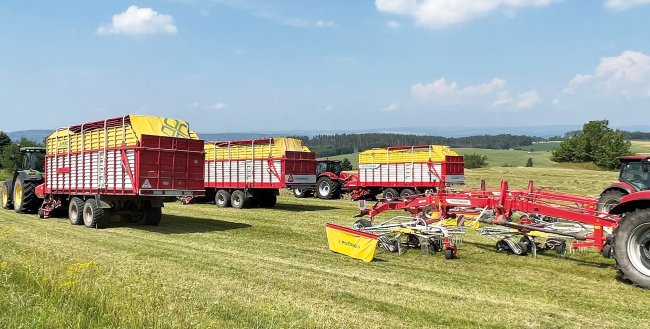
27,202
94,216
5,195
524,248
327,189
268,200
406,192
609,199
390,193
361,223
632,247
449,254
76,211
222,199
152,216
302,193
239,200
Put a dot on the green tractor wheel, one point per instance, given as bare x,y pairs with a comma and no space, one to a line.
4,196
24,196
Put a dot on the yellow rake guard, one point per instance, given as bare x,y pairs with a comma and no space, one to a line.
353,243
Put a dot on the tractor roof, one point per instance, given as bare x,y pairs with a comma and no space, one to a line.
631,158
32,149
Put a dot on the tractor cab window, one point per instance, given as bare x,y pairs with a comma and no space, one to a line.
38,161
33,161
336,168
632,173
322,167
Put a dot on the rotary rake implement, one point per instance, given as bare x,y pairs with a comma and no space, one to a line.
524,221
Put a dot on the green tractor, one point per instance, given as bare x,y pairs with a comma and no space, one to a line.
19,192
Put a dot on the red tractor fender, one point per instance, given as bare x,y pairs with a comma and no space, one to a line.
330,175
630,202
621,186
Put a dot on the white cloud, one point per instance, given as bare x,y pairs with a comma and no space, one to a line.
295,21
215,106
321,23
390,108
393,24
493,94
219,106
574,83
620,5
139,21
556,101
438,14
625,75
527,99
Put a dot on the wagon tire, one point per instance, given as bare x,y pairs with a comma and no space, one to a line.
94,216
76,211
222,199
302,193
239,200
268,200
152,216
632,248
406,192
390,193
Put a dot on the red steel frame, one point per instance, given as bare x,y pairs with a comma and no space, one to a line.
293,163
504,202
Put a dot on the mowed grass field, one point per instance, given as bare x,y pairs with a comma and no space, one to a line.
205,267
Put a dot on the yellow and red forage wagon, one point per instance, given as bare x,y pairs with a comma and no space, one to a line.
248,173
405,170
122,166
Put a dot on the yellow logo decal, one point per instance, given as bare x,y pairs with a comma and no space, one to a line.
175,128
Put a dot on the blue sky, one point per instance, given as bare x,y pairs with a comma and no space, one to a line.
252,65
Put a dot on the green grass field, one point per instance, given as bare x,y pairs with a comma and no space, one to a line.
225,268
640,146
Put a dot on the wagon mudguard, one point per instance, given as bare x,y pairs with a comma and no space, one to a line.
638,200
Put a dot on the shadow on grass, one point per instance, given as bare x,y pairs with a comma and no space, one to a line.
171,224
301,207
544,254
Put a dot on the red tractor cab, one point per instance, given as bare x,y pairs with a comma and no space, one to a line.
330,181
633,177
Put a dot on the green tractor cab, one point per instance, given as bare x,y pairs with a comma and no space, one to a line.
19,192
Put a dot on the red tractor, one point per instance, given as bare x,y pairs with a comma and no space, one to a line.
330,181
633,177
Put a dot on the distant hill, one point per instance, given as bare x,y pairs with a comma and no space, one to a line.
234,136
35,135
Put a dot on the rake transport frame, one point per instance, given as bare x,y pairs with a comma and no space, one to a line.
542,213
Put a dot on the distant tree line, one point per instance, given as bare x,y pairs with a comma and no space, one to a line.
331,145
8,149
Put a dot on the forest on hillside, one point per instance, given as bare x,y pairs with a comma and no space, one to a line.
331,145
